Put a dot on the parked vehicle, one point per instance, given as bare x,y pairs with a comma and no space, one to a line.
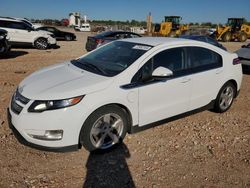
85,27
204,38
124,86
244,56
59,35
96,41
4,45
21,34
34,25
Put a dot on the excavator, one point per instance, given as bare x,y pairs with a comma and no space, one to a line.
170,28
235,29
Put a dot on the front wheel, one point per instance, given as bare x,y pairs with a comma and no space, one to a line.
41,44
242,37
225,97
104,128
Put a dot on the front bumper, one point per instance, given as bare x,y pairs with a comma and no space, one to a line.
52,41
23,141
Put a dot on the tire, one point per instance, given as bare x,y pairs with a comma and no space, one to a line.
68,38
242,37
104,128
227,37
41,44
225,97
4,49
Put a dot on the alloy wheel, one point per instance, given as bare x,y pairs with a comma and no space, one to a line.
226,97
106,131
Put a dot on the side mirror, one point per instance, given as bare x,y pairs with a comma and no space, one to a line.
162,73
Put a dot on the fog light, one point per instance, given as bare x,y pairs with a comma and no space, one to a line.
50,135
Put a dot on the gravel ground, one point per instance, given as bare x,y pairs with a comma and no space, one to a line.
202,150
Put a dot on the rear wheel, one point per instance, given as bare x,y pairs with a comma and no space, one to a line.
104,128
41,44
227,37
242,37
68,38
225,97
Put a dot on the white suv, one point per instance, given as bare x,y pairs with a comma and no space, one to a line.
124,86
22,34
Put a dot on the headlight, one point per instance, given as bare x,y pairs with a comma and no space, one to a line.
1,37
41,106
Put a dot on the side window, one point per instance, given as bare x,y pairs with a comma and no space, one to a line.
17,25
173,59
50,29
202,59
2,23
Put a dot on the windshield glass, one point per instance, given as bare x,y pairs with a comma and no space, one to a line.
103,34
111,59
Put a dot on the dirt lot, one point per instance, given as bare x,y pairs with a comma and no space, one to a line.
202,150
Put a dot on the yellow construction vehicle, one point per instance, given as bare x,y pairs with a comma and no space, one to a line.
235,29
170,28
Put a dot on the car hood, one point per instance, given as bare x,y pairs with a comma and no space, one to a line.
62,81
243,53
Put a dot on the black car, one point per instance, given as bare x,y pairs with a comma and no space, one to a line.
59,35
4,45
244,56
94,42
204,38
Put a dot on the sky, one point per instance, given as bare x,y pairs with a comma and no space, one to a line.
215,11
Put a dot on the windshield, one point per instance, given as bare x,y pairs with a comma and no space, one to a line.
111,59
103,34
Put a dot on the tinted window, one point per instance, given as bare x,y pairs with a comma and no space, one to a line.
173,59
17,25
4,23
203,59
51,29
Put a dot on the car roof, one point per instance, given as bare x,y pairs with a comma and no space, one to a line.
105,33
155,41
10,19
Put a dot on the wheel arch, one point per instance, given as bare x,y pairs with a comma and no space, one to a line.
123,107
235,85
38,37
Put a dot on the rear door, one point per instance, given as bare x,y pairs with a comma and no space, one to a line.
207,72
20,32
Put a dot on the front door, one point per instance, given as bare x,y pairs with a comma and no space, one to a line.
159,100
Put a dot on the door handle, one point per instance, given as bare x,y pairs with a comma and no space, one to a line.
185,80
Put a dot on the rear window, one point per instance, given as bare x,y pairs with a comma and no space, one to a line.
104,34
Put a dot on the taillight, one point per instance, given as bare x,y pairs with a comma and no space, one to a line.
99,41
236,61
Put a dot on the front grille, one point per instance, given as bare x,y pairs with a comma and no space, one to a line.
15,107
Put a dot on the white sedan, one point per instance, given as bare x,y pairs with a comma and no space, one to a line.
123,87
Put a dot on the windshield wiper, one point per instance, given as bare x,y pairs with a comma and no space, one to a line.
92,66
89,65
